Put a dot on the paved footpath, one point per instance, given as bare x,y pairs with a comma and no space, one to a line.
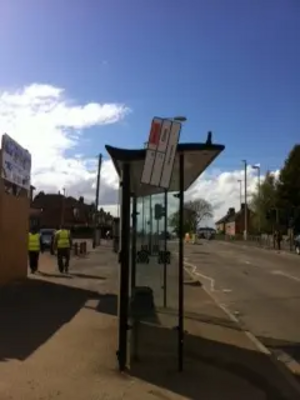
58,339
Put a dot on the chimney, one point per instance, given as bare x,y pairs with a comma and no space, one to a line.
231,211
242,206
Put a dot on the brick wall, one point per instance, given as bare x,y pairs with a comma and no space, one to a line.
14,221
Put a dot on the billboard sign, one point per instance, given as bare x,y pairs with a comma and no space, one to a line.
16,163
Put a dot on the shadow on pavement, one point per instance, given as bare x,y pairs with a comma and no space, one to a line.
31,312
107,304
50,275
209,365
204,318
87,276
289,349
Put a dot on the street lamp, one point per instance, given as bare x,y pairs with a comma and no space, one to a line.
257,168
179,118
246,205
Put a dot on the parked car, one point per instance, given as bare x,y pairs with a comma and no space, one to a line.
297,244
47,238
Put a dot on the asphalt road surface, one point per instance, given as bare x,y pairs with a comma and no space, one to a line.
261,288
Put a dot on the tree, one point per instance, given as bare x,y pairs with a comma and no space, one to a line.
263,202
194,213
288,188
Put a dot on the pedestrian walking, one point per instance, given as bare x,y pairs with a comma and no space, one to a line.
35,246
63,244
277,239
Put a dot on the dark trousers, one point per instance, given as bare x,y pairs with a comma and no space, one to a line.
34,260
63,259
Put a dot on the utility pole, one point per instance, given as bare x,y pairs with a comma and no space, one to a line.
62,217
240,182
97,200
257,167
246,206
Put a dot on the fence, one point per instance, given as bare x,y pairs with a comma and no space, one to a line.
264,241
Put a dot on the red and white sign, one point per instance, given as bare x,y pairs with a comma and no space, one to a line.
161,152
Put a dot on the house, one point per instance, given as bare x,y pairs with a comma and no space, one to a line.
221,224
51,210
56,209
233,223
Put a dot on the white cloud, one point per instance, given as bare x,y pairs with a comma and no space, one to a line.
44,120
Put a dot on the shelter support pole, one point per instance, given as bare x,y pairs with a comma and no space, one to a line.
181,266
97,202
150,225
166,246
124,268
133,242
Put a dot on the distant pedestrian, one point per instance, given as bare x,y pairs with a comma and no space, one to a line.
277,239
63,244
35,246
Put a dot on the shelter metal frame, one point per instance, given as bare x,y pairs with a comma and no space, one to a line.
191,160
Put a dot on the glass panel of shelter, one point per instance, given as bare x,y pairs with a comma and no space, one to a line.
156,275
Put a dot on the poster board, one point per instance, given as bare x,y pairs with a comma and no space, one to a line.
15,163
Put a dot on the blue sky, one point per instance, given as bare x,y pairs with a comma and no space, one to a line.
230,66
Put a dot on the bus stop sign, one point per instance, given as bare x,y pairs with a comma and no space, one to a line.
161,151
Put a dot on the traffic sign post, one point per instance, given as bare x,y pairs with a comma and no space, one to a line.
158,168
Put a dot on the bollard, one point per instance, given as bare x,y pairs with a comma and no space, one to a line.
84,248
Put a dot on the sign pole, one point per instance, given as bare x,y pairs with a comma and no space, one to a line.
124,258
181,266
133,241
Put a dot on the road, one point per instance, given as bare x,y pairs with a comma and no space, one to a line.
261,288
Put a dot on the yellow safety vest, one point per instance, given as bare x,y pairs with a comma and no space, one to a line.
33,242
63,239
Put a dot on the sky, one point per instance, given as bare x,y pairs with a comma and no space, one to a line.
77,75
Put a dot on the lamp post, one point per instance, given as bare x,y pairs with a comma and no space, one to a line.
257,168
179,118
240,182
245,206
62,217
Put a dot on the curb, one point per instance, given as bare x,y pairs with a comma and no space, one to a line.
283,369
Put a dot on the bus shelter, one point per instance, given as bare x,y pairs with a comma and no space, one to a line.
137,296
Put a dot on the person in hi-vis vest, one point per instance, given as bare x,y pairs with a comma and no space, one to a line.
34,249
63,244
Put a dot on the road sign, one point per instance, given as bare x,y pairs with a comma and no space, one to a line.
170,155
151,146
161,151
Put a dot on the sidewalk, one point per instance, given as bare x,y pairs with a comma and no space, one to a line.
58,340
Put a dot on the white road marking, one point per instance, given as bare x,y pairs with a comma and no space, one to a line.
259,345
292,365
195,272
295,278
